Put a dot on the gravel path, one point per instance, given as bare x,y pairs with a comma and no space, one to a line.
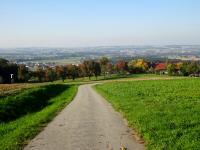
87,123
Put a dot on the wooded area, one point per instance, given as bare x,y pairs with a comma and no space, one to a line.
10,72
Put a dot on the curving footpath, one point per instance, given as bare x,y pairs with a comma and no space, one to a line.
88,123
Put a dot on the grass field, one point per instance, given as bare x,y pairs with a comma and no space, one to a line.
24,114
116,77
166,113
7,89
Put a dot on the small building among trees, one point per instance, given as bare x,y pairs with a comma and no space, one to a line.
161,68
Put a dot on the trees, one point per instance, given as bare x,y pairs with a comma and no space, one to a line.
190,68
61,72
171,69
141,63
50,74
90,68
40,73
96,69
6,69
193,68
3,61
72,71
23,74
121,67
110,68
184,68
87,68
82,72
104,62
138,66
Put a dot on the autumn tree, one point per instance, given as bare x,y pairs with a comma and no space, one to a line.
80,70
121,66
40,74
193,68
96,69
87,67
184,68
138,66
50,74
110,68
72,71
61,72
104,62
171,69
23,74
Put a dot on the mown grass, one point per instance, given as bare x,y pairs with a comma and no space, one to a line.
115,77
166,112
17,131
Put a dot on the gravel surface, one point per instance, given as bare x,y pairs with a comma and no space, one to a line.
88,123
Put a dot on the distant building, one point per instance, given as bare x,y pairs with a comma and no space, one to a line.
161,68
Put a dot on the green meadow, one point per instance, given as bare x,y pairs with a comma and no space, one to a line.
166,113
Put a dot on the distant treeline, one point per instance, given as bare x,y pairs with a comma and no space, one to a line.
89,68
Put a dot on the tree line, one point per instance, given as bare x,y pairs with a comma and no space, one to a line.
184,69
89,68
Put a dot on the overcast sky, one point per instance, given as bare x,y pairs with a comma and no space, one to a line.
74,23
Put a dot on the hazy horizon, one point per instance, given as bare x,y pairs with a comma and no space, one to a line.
75,47
89,23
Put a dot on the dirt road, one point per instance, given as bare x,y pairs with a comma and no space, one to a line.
88,123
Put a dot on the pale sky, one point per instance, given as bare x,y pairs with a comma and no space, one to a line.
74,23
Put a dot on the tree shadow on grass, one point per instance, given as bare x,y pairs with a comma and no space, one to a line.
28,101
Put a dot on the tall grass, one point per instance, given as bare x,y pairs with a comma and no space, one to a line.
15,133
166,113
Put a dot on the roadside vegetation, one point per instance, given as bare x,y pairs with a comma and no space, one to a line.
24,114
166,113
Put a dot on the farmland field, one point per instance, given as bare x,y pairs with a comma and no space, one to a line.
24,114
7,89
166,113
70,60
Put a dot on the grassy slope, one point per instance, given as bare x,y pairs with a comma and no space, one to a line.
166,113
15,134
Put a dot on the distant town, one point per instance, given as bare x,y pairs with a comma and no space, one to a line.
32,57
